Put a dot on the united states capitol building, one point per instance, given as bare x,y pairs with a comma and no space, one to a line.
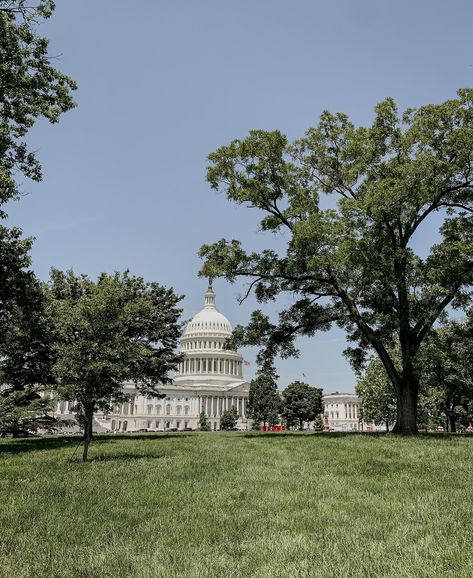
209,379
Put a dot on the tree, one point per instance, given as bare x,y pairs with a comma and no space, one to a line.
26,341
30,89
229,419
204,424
301,403
447,369
351,260
24,412
114,330
377,398
263,399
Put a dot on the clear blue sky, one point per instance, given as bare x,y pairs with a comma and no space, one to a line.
162,84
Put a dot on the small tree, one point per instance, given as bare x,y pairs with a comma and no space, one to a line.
301,403
114,330
264,402
446,368
204,423
229,419
377,397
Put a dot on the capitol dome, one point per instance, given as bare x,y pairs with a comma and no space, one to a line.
209,319
203,343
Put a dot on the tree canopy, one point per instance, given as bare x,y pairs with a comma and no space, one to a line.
115,330
30,89
352,201
301,403
229,419
264,402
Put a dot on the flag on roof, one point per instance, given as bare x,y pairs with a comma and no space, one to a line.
246,362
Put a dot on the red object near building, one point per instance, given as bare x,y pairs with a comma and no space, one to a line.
271,428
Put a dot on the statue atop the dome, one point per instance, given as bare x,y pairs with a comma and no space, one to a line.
210,295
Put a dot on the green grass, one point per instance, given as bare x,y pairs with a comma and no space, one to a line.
238,505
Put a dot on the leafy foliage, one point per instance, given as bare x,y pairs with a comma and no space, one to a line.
26,340
377,397
204,423
447,369
229,419
301,403
446,381
114,330
264,402
353,263
30,88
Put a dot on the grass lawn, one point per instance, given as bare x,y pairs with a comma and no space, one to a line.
238,505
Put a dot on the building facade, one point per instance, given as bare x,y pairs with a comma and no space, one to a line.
341,412
209,379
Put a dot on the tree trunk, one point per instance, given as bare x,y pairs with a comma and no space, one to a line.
406,420
88,421
301,424
453,423
387,427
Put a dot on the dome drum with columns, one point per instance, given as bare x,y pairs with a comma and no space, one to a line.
209,379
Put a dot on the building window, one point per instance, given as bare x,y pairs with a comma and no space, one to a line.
168,410
186,424
149,424
150,409
158,409
186,410
158,424
178,410
178,424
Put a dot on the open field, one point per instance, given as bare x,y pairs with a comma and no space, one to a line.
238,505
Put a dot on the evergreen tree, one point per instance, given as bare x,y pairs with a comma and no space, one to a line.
229,419
264,402
204,423
114,330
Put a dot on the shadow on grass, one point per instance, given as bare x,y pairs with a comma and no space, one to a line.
36,444
119,457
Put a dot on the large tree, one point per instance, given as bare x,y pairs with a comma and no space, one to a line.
301,403
30,89
351,259
111,331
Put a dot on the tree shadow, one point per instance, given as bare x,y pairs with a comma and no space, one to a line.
44,443
119,457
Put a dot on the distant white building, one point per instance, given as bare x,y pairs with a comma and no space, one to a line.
342,413
209,379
